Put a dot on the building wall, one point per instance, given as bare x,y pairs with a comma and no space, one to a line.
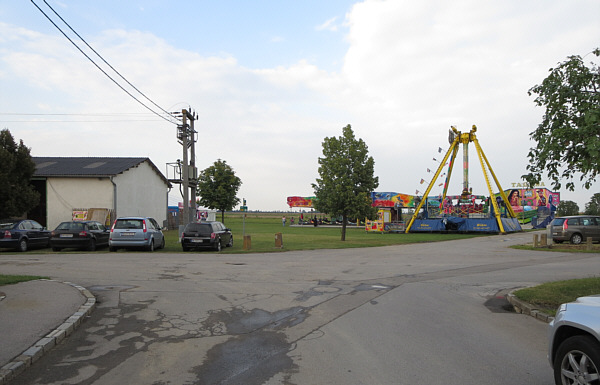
65,194
141,192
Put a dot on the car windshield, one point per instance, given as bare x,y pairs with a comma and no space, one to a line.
129,224
71,226
4,225
201,228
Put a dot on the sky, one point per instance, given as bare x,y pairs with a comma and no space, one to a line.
270,80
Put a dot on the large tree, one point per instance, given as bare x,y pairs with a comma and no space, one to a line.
568,138
566,208
17,195
218,187
593,206
346,179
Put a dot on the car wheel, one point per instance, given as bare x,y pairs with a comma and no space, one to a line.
185,248
162,245
22,247
576,239
92,246
577,361
56,249
151,246
218,244
230,244
112,248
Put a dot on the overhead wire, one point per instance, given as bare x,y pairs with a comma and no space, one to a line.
170,118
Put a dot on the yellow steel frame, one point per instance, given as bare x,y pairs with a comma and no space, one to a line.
465,139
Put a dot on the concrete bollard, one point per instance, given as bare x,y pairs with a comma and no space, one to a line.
278,240
588,243
535,240
247,242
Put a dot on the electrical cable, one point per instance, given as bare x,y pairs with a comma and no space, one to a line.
100,56
102,70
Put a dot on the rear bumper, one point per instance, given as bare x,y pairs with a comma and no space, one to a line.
66,243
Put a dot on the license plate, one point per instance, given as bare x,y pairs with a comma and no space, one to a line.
66,235
127,234
197,240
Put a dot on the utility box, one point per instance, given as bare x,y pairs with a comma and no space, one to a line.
279,240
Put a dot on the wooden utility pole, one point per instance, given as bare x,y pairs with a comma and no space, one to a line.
189,172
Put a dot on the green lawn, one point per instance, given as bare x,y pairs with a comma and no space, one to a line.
548,296
262,229
12,279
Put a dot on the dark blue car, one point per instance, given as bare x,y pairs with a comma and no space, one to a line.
23,234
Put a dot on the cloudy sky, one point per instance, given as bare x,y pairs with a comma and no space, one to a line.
270,80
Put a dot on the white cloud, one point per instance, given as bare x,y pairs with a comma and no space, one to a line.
411,70
329,25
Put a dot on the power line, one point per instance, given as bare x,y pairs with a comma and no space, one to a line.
100,68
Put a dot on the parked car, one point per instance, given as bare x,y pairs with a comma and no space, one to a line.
87,235
574,342
136,232
23,234
213,235
576,229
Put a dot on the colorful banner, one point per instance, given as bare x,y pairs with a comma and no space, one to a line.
300,201
392,199
532,199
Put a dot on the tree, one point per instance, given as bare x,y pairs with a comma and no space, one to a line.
568,138
346,179
567,208
217,187
593,206
17,195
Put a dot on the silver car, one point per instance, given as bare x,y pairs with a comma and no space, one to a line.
574,342
136,232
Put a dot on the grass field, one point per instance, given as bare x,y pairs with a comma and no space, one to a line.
262,227
548,296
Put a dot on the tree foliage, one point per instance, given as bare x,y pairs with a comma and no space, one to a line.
566,208
17,195
217,187
568,138
593,206
346,179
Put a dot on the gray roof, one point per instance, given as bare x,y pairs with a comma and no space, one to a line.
87,167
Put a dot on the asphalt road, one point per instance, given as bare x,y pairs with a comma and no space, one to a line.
414,314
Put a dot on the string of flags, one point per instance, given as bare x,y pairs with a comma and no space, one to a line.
429,171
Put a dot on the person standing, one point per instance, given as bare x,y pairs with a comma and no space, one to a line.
283,221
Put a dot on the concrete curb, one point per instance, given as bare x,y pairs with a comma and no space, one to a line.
522,307
35,352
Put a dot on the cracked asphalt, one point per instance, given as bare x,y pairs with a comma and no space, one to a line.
425,313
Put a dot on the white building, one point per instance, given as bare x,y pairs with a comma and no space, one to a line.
105,188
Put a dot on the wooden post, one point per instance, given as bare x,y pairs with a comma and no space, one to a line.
535,240
247,242
278,240
588,243
544,240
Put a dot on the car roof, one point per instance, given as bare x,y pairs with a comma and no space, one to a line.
578,216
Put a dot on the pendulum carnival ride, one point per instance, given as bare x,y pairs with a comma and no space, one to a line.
465,212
